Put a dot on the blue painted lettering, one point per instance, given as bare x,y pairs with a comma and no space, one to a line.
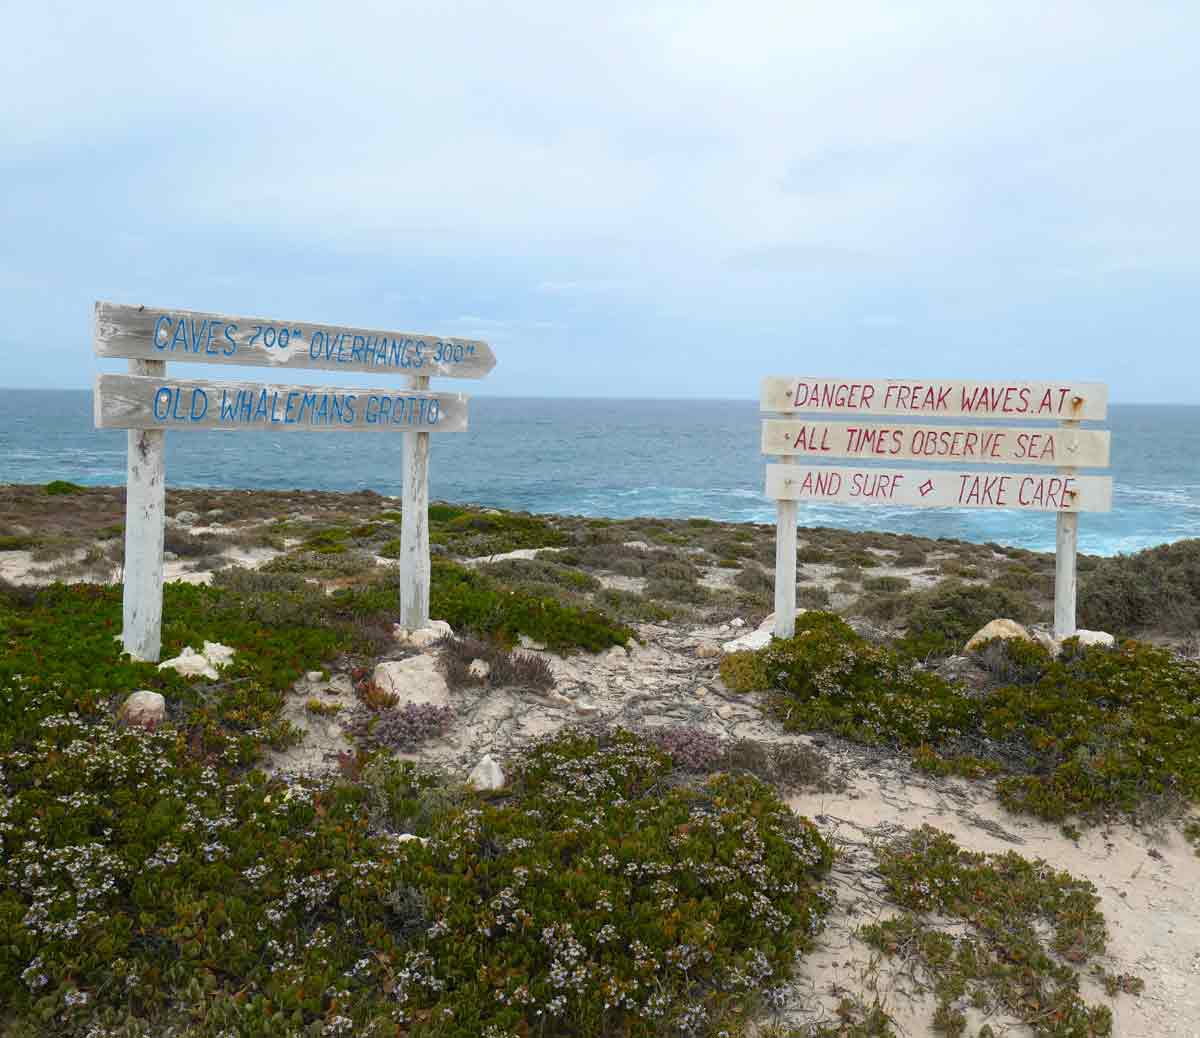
231,349
180,335
260,411
198,333
157,328
307,402
314,344
348,415
162,396
287,408
228,412
199,396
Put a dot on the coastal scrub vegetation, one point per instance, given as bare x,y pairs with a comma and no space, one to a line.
1091,733
1029,930
153,882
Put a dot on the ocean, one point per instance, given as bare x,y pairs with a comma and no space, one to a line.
618,458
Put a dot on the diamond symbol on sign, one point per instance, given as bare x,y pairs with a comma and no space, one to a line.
926,487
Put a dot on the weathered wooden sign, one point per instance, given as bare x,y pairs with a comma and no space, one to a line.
969,444
929,398
185,335
859,434
940,488
147,403
143,402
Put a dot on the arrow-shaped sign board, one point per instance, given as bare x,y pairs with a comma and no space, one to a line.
142,333
149,402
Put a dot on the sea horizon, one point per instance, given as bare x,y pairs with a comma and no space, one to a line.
616,457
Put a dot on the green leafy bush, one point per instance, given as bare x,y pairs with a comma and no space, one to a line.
1028,930
1157,589
471,601
940,620
147,889
62,486
17,542
1091,733
744,672
829,677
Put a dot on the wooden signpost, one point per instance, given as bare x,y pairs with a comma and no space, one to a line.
148,403
922,437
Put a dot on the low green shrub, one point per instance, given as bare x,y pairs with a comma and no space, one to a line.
631,607
17,542
473,533
744,672
1029,929
941,619
829,677
62,486
470,601
1093,733
885,584
1154,590
812,598
755,579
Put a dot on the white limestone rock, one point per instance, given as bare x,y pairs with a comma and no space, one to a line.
144,709
759,638
191,664
1001,628
422,637
487,774
1096,638
414,680
479,669
708,651
217,654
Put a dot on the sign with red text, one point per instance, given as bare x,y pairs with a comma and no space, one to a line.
940,488
963,444
936,398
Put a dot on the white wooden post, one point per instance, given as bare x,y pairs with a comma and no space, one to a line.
1065,550
145,513
785,564
414,526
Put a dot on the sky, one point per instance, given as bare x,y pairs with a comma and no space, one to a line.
624,199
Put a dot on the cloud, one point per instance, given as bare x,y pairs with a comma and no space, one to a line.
646,175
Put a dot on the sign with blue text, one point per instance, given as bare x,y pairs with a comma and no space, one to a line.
145,402
186,335
148,402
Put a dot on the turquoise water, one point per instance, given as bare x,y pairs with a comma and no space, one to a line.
617,458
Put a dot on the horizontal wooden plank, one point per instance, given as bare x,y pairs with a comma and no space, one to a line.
144,402
185,335
935,398
941,488
961,444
